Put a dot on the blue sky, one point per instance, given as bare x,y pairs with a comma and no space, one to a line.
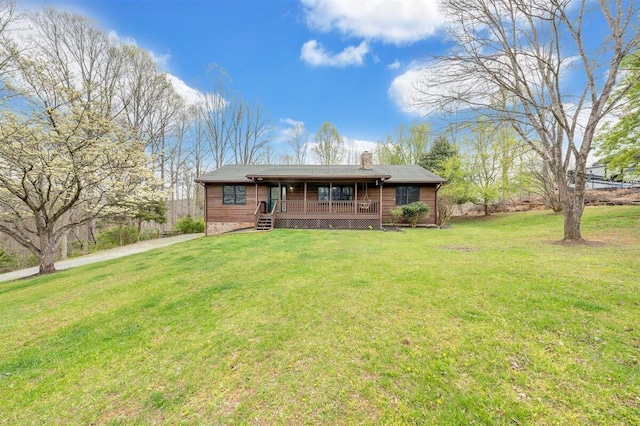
349,62
305,61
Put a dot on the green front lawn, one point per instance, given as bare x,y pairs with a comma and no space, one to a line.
487,322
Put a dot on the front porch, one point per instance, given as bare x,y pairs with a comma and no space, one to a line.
288,206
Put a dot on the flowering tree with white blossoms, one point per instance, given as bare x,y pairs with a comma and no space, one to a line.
59,170
65,158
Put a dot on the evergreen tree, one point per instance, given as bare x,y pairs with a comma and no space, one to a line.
440,151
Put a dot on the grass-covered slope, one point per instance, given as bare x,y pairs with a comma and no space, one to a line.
487,322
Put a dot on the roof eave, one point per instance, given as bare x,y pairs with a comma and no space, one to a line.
316,177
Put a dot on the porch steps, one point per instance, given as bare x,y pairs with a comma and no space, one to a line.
265,223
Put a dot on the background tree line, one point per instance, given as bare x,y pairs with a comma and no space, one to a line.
94,134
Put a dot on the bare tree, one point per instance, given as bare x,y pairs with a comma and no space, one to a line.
286,159
269,156
539,180
197,157
8,15
329,147
298,142
510,62
218,118
251,134
175,154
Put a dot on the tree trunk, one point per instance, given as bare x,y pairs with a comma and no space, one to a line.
573,203
47,254
574,206
572,216
486,209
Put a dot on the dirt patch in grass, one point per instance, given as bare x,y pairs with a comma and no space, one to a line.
122,410
580,243
617,238
458,248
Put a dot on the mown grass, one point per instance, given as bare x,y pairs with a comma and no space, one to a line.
487,322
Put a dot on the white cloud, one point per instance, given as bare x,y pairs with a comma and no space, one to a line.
291,122
394,66
458,84
282,134
358,146
402,89
161,60
115,38
315,54
190,95
391,21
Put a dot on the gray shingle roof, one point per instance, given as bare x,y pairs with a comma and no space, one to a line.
392,174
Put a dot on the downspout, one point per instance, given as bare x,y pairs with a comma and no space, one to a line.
205,209
381,185
437,189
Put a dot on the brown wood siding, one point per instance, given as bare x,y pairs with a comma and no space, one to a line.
427,196
219,212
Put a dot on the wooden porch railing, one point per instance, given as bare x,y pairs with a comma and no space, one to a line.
256,215
328,208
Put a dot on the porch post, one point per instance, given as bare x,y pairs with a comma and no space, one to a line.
330,197
279,197
355,200
305,198
257,201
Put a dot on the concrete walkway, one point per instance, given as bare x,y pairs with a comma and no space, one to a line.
100,256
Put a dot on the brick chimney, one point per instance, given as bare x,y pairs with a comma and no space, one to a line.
366,161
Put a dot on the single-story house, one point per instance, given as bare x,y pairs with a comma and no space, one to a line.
313,196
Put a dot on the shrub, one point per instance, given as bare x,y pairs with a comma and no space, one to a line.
116,237
415,212
446,207
6,261
396,215
187,225
14,260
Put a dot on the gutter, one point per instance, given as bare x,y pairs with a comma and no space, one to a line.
437,189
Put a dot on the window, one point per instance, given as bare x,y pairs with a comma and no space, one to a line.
234,194
323,193
407,194
342,193
337,193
